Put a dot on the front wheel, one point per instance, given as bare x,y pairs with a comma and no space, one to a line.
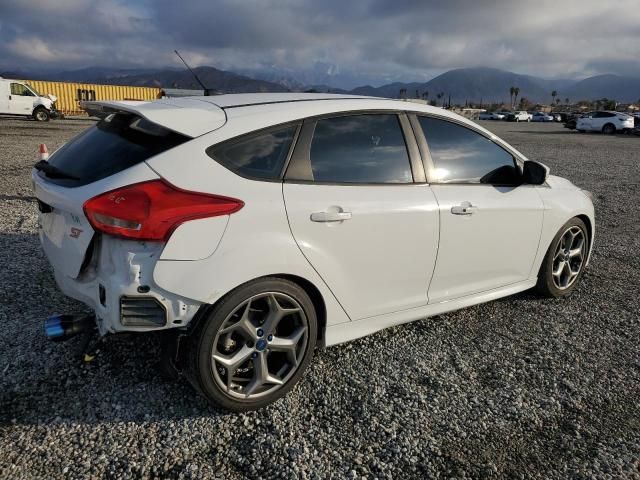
609,129
254,345
41,114
564,262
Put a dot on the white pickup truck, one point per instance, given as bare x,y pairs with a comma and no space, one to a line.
20,98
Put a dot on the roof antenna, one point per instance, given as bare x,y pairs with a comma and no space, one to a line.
207,92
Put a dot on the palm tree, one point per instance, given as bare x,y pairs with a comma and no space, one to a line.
511,91
558,101
440,95
403,93
516,92
566,101
425,95
553,96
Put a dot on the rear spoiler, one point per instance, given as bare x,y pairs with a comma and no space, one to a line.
187,116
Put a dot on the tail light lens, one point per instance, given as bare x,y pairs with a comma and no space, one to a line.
153,210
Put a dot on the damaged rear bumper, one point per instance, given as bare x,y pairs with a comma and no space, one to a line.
117,283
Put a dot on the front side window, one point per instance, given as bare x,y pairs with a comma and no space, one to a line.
260,155
360,149
461,155
21,90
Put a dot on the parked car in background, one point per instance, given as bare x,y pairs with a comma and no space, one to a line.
519,116
556,117
491,116
541,117
605,121
242,226
571,120
20,98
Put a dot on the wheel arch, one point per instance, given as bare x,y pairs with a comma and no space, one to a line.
587,221
314,294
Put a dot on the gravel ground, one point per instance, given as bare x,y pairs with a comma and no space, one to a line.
522,387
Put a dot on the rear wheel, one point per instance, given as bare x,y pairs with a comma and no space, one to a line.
254,345
41,114
564,262
609,129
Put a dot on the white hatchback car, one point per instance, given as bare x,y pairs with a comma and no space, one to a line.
253,227
605,122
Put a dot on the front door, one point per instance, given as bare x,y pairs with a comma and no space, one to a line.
490,225
20,99
357,215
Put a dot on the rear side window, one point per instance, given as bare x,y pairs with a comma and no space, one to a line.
116,143
461,155
258,155
360,149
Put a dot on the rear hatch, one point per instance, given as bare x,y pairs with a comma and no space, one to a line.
104,157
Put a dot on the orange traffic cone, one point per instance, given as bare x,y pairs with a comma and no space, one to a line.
44,153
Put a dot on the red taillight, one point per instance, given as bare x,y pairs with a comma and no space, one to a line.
152,210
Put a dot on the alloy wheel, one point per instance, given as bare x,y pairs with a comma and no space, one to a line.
569,257
260,345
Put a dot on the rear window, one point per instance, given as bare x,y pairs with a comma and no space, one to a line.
116,143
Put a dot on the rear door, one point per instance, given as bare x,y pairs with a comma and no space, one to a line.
20,99
357,214
4,96
490,225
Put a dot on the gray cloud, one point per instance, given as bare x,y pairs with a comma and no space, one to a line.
365,41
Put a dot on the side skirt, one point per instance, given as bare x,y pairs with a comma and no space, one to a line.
344,332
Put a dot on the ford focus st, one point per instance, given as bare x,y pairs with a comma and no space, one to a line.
252,228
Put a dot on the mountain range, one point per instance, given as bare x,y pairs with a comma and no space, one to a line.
462,85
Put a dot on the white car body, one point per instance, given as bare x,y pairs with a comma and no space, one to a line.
491,116
25,101
519,116
601,120
541,117
395,255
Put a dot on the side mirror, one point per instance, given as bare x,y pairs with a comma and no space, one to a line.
534,173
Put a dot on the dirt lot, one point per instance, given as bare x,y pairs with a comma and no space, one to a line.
522,387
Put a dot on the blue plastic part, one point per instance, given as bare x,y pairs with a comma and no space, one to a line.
54,331
53,327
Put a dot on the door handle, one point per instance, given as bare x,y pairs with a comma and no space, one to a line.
330,216
465,208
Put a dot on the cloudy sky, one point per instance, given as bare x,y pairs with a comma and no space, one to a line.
363,41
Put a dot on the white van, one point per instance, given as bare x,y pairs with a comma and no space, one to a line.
20,98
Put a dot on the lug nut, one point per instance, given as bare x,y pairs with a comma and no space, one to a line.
270,337
254,355
260,332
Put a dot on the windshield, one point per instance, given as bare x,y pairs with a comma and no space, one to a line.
33,89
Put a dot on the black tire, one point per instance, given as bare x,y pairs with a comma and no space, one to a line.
609,129
581,131
546,285
41,114
200,365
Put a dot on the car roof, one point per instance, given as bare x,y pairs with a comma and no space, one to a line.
195,116
233,100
